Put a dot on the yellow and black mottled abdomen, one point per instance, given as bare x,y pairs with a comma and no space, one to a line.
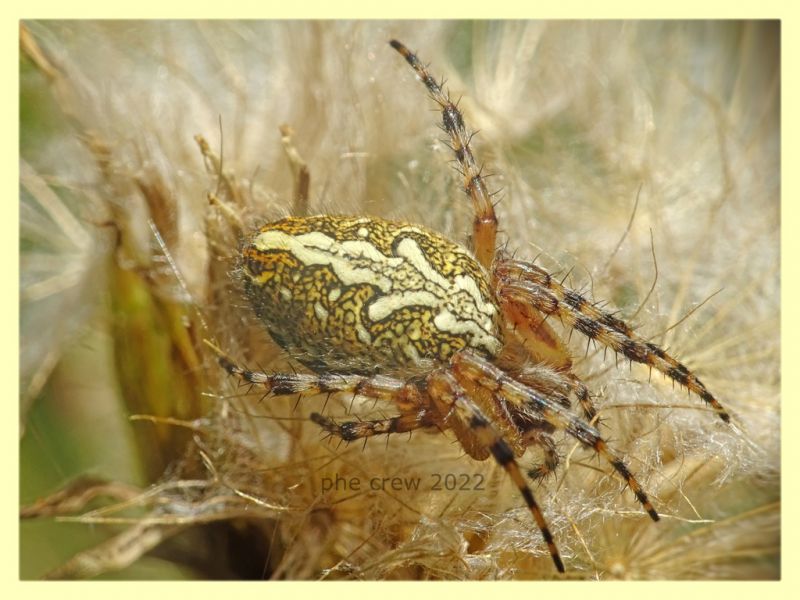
360,294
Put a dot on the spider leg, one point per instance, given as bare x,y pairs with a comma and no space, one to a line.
539,435
353,430
485,220
584,398
536,336
472,371
446,393
558,386
544,347
302,177
404,395
526,283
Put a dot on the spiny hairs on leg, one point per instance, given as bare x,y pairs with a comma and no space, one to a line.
540,437
288,384
525,282
473,370
443,385
485,221
349,431
544,378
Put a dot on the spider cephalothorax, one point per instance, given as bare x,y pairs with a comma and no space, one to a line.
362,300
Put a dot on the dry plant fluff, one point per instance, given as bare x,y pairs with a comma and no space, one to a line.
636,161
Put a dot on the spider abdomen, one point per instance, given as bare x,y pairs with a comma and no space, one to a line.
358,293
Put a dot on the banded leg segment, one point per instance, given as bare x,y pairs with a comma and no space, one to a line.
380,387
582,394
541,439
446,391
547,381
485,220
472,371
521,282
354,430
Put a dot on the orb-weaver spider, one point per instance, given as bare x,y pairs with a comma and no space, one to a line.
397,312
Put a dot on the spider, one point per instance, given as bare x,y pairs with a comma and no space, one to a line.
455,339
